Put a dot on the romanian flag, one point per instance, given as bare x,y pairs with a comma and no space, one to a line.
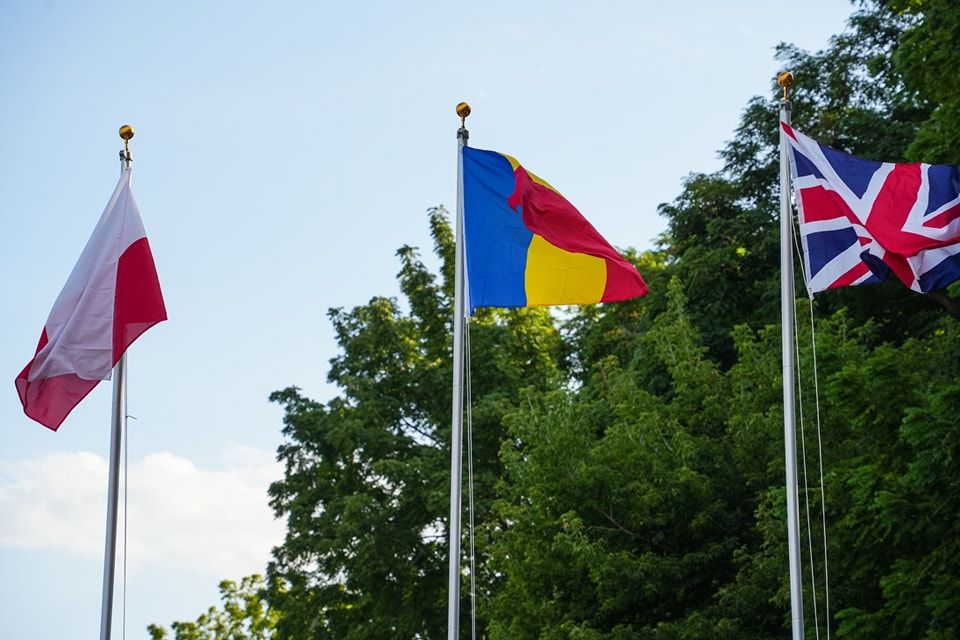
527,246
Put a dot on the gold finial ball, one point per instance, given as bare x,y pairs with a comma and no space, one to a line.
126,132
785,79
463,110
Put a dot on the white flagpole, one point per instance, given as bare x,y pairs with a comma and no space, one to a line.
787,302
119,413
456,441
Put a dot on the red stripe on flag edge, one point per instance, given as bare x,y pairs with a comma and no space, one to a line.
788,130
548,214
850,276
50,419
138,301
943,218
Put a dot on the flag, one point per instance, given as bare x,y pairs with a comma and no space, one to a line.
862,219
111,297
526,245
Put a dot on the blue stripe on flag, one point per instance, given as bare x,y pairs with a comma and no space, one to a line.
496,238
824,246
944,183
804,166
855,172
941,275
878,268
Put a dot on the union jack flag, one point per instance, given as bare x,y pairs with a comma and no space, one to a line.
861,219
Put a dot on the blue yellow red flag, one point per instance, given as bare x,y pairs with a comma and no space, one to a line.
527,246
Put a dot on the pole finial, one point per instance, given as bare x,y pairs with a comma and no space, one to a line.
463,110
785,80
126,132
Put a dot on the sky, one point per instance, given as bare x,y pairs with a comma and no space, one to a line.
284,152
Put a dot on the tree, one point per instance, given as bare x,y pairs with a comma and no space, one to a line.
927,57
622,512
366,484
244,616
887,392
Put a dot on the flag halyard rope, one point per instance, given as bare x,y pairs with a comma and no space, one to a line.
803,460
470,503
126,484
823,496
816,393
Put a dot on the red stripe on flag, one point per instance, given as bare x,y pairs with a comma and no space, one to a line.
891,208
551,216
900,267
50,400
889,216
819,204
623,281
850,276
943,218
138,302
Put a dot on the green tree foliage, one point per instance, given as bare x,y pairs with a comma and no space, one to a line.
244,616
591,495
634,516
897,492
927,57
625,512
366,486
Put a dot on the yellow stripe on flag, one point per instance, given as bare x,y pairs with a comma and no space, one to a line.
555,276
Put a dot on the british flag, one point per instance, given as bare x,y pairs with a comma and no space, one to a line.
861,219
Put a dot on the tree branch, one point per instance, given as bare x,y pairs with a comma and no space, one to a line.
951,305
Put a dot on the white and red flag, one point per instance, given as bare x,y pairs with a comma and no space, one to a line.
111,297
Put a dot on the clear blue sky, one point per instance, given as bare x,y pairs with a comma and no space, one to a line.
284,151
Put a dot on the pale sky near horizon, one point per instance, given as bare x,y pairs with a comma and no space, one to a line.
283,153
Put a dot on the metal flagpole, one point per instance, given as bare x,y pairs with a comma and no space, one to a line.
785,80
456,442
116,433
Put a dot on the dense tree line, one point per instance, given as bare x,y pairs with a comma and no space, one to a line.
629,463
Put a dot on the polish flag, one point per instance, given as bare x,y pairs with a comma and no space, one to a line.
111,297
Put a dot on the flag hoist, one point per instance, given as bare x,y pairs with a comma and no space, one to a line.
456,442
860,222
111,297
118,417
519,243
787,310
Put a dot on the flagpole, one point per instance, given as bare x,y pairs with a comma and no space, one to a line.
787,303
119,412
456,442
